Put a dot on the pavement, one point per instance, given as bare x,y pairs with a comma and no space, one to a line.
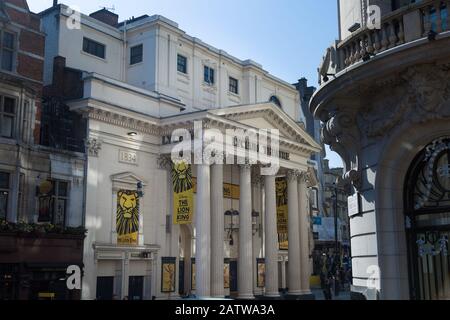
343,295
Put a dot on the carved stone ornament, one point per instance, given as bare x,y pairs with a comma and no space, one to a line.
164,162
93,147
423,94
342,135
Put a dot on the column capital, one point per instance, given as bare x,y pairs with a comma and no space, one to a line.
246,166
293,175
303,177
164,162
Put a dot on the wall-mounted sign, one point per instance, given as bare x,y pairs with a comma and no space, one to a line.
168,274
226,274
317,221
129,157
127,219
230,191
193,286
354,204
282,213
183,193
261,273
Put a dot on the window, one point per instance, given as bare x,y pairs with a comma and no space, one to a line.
7,116
209,75
182,64
7,50
234,85
53,197
93,47
136,54
275,100
4,193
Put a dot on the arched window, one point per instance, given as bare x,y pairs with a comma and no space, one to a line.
275,100
427,202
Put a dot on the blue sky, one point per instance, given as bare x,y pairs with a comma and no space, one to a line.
288,37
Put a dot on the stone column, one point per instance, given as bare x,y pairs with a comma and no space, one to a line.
271,238
245,265
304,234
203,233
217,232
294,266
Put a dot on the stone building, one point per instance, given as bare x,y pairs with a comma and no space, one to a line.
41,188
143,79
384,99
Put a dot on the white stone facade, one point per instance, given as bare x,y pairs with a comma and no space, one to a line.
131,112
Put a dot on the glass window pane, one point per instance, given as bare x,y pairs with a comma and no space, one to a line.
136,54
206,74
7,60
6,128
3,204
60,212
182,64
4,180
8,40
62,189
9,105
94,48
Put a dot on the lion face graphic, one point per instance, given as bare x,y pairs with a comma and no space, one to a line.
181,177
127,212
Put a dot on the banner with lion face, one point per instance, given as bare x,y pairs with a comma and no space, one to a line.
127,223
282,213
183,193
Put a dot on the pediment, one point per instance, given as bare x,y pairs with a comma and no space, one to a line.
268,116
127,178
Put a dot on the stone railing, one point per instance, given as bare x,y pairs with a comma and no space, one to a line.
423,19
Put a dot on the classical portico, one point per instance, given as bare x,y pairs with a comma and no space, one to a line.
256,205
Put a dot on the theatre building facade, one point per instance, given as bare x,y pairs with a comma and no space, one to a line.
385,101
158,230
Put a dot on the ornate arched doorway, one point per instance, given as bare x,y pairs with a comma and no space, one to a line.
427,203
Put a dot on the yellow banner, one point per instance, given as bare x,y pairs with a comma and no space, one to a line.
127,219
183,193
282,213
230,191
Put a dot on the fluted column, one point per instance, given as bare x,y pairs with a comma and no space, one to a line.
217,232
203,233
294,266
245,265
304,234
271,238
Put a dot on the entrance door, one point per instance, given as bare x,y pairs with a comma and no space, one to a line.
136,288
105,288
428,222
233,276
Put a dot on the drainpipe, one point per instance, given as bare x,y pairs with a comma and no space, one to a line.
124,67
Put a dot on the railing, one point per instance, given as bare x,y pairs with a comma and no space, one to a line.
423,19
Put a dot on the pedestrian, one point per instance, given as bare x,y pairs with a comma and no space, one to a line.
327,289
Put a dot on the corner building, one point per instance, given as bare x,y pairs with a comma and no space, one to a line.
384,99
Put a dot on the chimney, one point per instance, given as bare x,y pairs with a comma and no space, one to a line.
303,83
106,16
55,3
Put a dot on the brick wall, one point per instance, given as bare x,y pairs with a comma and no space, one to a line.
31,43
